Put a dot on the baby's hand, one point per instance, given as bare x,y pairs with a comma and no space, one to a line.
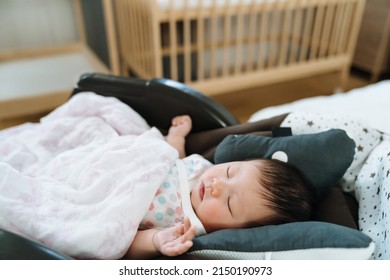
175,240
181,126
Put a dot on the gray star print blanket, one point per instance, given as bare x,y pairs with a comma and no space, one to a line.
368,177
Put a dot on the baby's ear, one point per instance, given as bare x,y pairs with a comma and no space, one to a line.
322,158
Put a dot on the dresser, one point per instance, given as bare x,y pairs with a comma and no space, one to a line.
372,52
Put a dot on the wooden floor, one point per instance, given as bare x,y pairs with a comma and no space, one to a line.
244,103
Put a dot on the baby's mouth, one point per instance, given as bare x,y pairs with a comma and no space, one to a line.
201,192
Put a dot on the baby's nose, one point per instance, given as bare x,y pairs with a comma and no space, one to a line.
216,187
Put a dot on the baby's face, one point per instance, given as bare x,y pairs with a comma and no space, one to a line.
228,195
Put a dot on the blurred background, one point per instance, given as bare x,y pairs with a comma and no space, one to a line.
45,45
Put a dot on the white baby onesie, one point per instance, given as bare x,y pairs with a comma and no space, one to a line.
166,208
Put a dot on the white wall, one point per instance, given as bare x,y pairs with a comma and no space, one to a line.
36,23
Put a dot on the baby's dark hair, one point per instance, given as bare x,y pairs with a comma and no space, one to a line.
287,194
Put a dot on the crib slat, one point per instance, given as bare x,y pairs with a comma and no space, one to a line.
252,14
145,49
155,42
337,36
358,9
187,44
226,38
274,34
121,30
356,15
309,18
264,27
138,44
173,41
296,33
283,53
336,28
214,36
127,27
342,46
200,41
239,38
142,46
324,46
316,35
112,42
133,45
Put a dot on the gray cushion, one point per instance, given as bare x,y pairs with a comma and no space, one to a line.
322,158
301,240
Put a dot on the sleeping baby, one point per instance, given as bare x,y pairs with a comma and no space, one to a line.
197,197
93,180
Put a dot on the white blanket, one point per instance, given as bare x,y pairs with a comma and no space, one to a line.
82,179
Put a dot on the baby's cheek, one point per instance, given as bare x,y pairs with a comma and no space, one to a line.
210,212
213,218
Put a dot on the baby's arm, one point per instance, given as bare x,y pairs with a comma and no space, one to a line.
181,126
172,241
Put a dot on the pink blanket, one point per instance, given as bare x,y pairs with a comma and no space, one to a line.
82,179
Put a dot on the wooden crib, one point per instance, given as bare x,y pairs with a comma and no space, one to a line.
217,46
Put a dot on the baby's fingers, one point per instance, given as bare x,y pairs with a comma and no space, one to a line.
181,229
186,230
187,223
189,234
177,249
